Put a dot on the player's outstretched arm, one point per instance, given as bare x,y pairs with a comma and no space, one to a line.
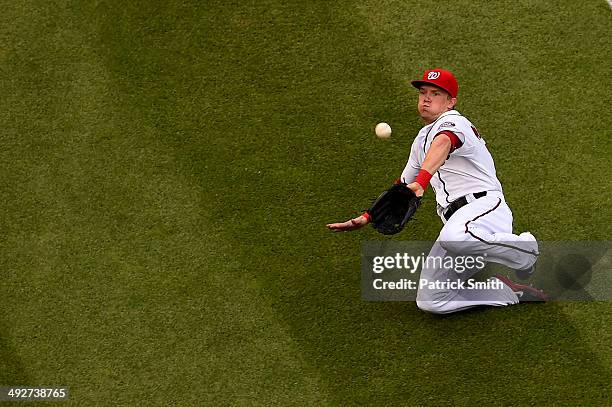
351,224
435,157
437,153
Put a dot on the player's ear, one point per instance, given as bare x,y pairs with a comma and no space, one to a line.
453,102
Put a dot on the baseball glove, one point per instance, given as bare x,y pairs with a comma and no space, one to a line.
393,209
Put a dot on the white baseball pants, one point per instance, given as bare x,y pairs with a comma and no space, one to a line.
483,227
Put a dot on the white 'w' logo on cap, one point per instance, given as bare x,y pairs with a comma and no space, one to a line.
433,75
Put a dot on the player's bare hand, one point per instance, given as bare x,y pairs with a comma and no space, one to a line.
417,188
350,224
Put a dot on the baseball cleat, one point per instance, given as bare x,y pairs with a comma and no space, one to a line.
525,293
525,274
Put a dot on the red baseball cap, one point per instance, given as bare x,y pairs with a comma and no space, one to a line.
441,78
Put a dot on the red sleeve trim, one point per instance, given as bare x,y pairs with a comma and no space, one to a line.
366,215
454,139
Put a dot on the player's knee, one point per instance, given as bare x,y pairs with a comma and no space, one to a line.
433,307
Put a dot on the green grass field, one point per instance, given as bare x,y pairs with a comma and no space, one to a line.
167,169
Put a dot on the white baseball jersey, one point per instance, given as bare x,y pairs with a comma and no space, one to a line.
468,169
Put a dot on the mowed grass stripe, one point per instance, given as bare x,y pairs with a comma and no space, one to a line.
117,283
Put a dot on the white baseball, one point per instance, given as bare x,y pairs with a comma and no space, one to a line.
383,130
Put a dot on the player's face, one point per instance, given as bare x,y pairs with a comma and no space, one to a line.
433,102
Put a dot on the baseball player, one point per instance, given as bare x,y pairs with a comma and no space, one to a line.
449,154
